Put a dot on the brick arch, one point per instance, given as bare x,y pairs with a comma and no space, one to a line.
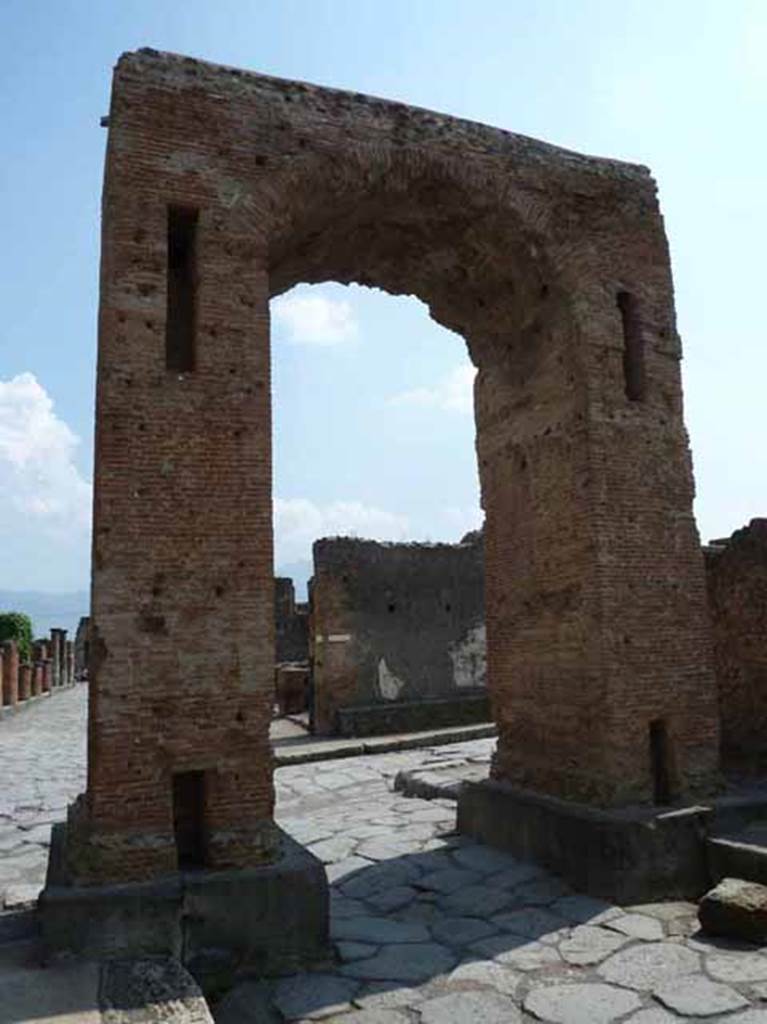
596,617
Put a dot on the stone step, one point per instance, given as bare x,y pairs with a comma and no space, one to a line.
739,855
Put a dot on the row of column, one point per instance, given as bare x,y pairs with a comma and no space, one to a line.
52,666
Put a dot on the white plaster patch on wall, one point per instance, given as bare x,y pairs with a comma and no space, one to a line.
389,685
469,657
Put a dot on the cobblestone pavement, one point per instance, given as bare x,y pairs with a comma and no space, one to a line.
427,927
42,767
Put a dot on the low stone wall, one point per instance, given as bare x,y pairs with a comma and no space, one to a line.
395,625
413,716
51,668
736,572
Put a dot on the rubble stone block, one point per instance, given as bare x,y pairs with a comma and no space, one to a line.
736,909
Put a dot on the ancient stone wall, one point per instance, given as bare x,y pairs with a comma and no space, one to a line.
223,189
736,572
395,624
291,623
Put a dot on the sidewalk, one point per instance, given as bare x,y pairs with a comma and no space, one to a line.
303,748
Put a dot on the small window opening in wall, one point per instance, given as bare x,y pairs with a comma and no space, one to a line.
189,818
181,288
633,348
660,762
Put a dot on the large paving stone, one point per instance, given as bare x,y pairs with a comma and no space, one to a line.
488,974
637,926
333,850
534,922
736,909
378,877
477,900
386,995
515,874
579,909
341,870
541,891
653,1015
374,1016
590,945
489,861
355,950
409,962
470,1008
378,930
581,1004
669,910
459,931
387,849
645,967
393,899
737,967
448,881
696,996
313,996
515,951
341,906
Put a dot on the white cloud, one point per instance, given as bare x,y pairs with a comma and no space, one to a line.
453,393
41,485
298,522
457,521
309,318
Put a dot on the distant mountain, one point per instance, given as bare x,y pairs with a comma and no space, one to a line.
65,610
47,610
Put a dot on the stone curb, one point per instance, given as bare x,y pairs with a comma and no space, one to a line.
386,745
409,784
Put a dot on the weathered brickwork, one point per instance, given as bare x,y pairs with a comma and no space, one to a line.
223,189
394,623
736,571
291,623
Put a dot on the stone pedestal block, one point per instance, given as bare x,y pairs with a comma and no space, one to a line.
631,855
266,920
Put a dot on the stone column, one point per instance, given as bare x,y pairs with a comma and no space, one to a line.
63,658
10,673
57,651
40,653
47,673
69,663
25,680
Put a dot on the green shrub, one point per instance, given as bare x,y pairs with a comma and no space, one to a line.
17,626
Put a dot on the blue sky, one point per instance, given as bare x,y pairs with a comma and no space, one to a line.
373,430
